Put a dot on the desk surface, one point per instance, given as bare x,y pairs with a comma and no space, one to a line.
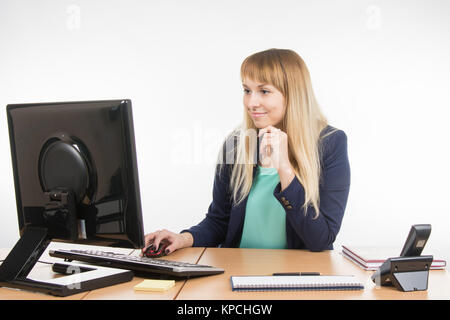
247,262
239,262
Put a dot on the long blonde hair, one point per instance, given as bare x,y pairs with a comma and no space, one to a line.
303,122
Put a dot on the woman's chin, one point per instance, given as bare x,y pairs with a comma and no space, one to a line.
260,123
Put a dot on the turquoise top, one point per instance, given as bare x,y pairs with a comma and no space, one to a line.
265,217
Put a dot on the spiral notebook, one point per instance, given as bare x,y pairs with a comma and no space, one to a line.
287,283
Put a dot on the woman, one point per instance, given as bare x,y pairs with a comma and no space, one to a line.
295,193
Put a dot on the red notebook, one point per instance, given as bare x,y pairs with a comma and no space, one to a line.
371,258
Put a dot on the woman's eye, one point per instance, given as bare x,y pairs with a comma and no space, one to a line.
246,91
265,91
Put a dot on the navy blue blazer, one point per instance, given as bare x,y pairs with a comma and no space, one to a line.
224,222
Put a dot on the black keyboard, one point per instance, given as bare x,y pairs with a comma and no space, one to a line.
141,266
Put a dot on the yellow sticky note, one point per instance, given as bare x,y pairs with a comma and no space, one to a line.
154,285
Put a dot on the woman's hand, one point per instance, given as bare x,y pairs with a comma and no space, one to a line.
274,153
274,148
173,241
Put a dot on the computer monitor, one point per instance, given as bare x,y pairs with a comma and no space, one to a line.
75,176
87,148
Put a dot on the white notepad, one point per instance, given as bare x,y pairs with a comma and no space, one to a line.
270,283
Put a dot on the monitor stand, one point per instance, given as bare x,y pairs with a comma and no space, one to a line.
16,267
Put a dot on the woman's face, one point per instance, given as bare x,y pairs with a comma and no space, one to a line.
265,104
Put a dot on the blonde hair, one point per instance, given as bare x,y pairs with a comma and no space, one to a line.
303,122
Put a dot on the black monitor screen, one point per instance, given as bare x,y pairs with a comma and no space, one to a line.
86,147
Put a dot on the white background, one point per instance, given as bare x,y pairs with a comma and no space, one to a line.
380,70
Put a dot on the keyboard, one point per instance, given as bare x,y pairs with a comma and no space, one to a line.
141,266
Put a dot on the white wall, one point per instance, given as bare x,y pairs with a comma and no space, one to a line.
380,70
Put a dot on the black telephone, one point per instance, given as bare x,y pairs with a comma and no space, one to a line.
409,272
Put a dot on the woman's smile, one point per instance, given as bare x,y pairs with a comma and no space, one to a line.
255,115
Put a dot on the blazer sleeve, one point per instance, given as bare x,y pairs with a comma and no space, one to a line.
319,233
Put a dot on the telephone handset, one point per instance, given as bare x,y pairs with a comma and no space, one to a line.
417,238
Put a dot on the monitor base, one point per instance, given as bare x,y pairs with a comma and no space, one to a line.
20,261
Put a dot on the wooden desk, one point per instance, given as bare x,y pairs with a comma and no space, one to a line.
264,262
246,262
